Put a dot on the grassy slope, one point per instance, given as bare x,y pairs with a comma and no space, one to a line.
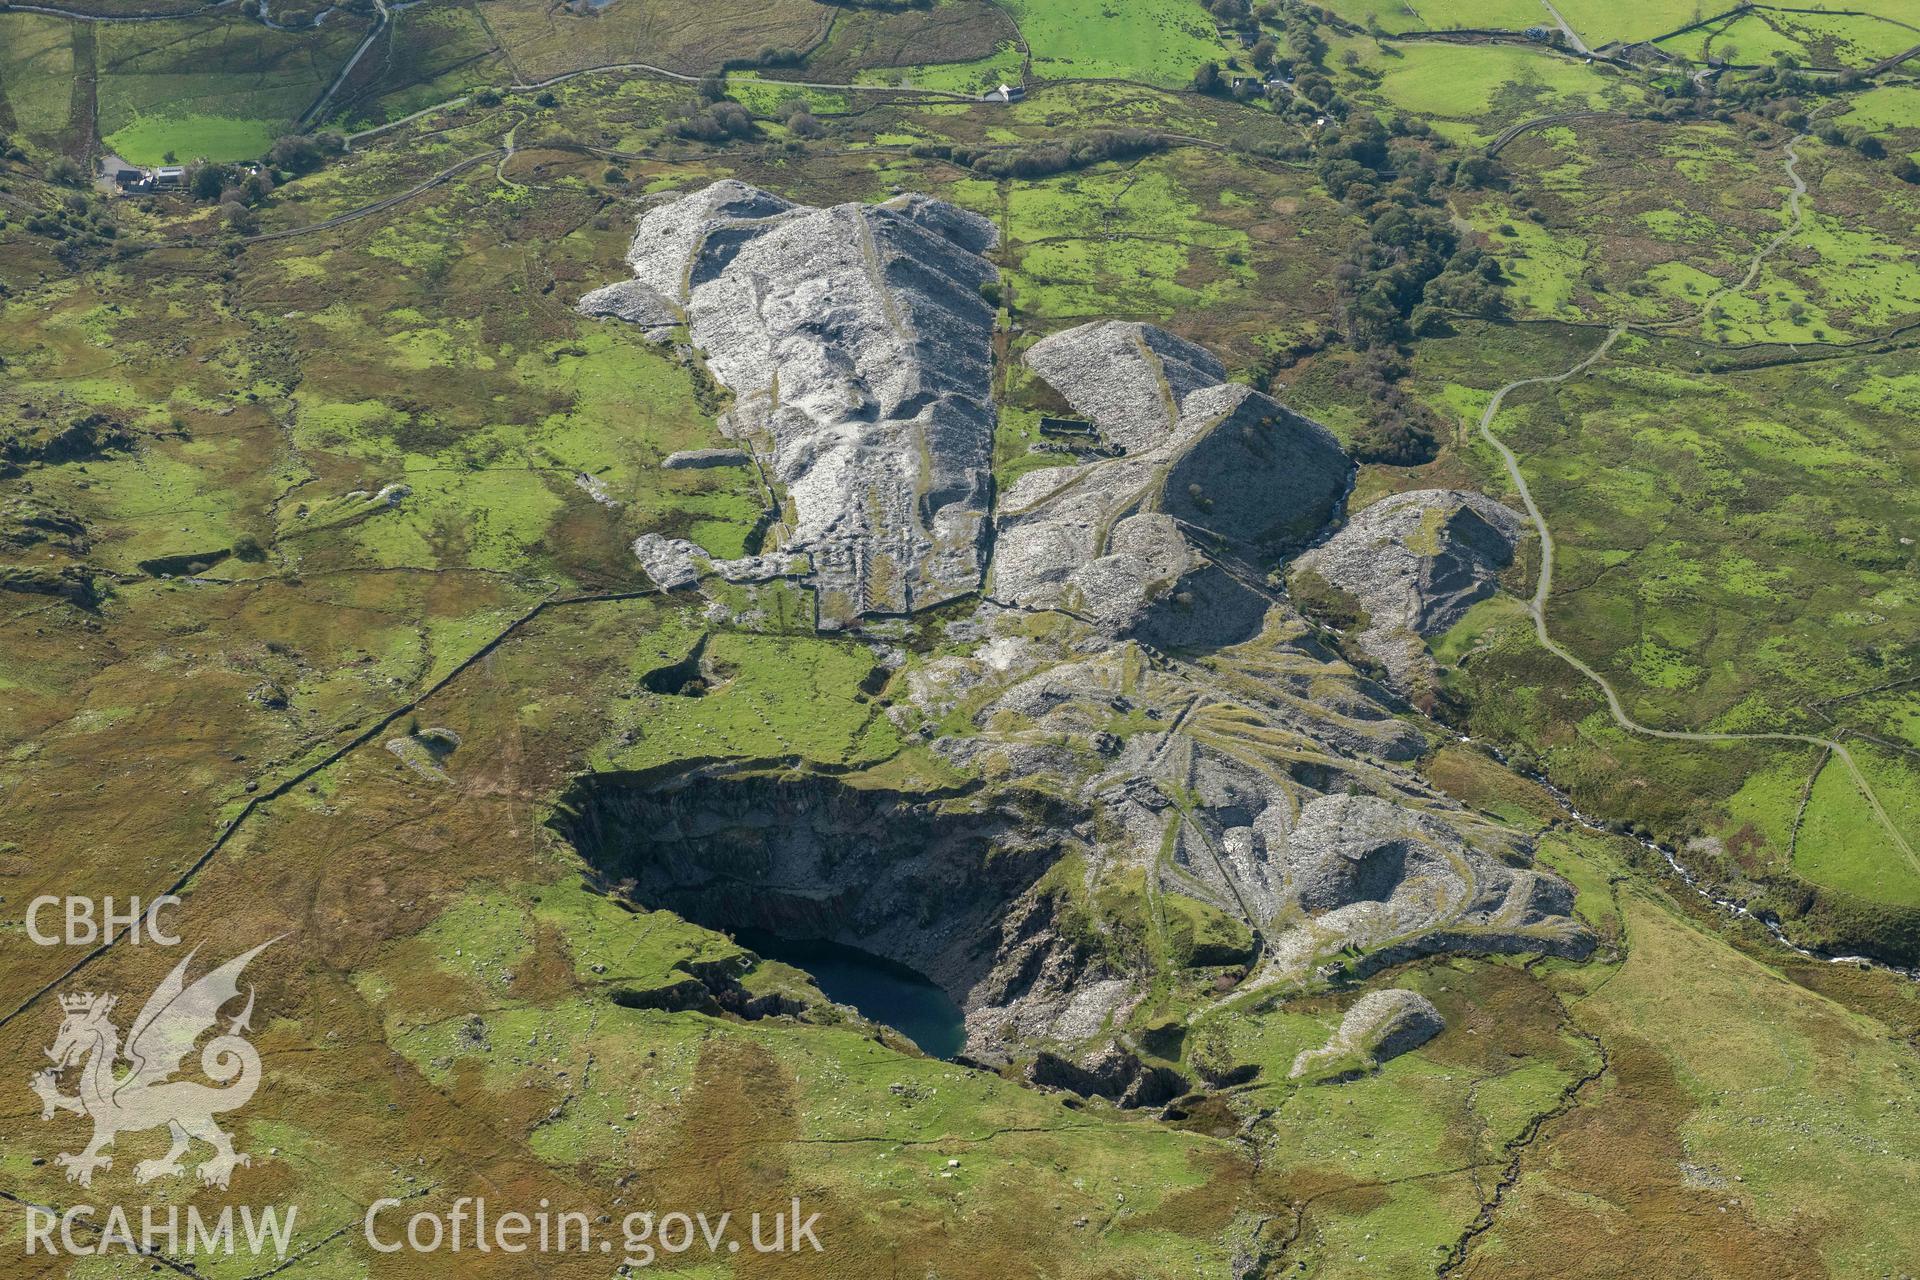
1842,846
542,42
1733,1098
1156,41
36,74
1499,15
159,91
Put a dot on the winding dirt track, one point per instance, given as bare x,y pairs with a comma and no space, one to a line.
1537,606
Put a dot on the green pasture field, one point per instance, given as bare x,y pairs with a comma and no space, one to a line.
1600,22
1893,714
1893,106
1762,36
1485,86
212,88
1746,39
151,139
36,74
1156,41
1002,67
1449,15
1842,844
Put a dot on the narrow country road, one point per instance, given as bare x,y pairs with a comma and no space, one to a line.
380,24
1573,37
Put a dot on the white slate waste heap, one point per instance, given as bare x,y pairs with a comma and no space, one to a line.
1417,561
858,347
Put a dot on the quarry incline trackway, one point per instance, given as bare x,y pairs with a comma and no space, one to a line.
1537,606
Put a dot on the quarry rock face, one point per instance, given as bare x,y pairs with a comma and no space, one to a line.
1380,1026
1416,562
1200,462
857,346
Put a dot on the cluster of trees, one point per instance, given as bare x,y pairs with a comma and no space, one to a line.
1411,256
713,117
772,56
1303,55
1870,146
1052,157
1777,94
1399,431
1240,12
64,171
1410,265
717,122
240,189
716,118
299,153
797,115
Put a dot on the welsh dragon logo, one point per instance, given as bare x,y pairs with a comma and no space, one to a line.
172,1021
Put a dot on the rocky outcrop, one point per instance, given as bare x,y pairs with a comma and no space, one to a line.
32,521
1111,1072
676,563
1416,562
72,583
1128,379
1202,463
857,345
1380,1026
28,440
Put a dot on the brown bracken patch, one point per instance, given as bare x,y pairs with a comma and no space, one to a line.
1604,1197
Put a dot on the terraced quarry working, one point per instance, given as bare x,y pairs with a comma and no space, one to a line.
955,638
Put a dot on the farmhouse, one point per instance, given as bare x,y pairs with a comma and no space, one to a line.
1005,93
131,181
